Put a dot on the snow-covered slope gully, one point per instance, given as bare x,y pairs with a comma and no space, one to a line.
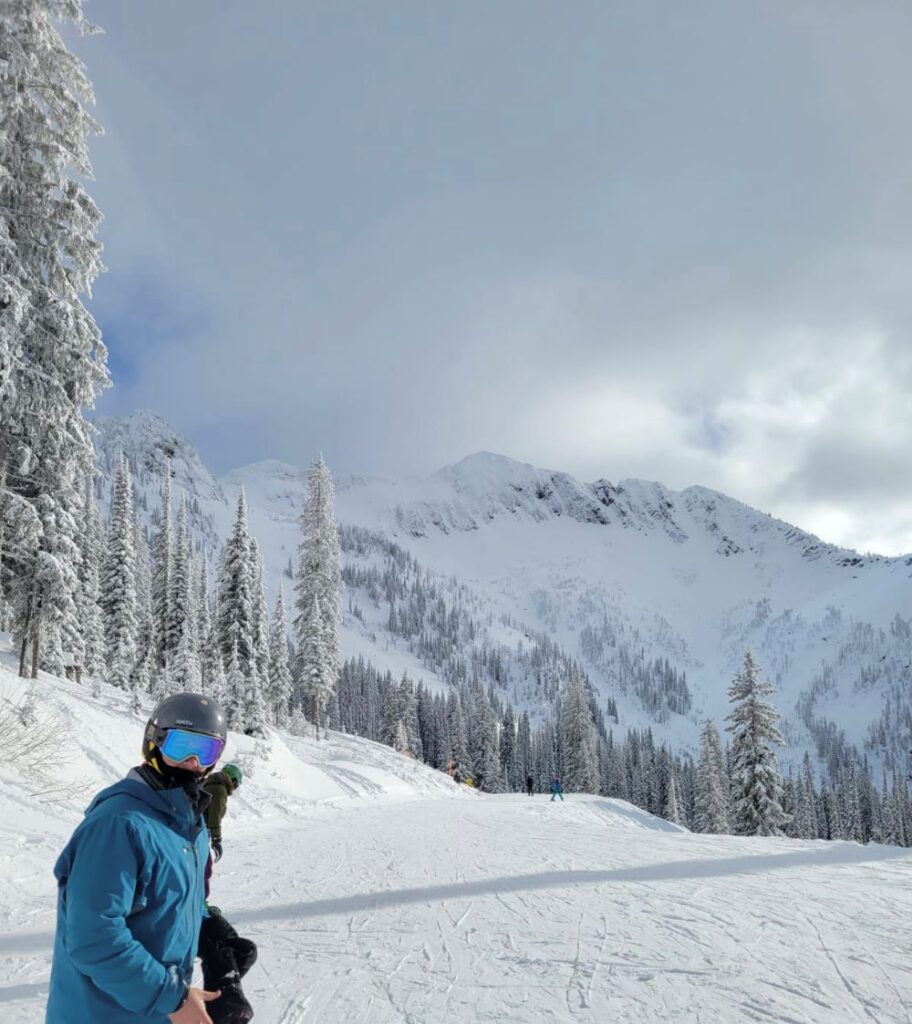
380,891
617,576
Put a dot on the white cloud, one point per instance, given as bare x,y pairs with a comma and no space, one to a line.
400,241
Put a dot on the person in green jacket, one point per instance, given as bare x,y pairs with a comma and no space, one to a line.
220,786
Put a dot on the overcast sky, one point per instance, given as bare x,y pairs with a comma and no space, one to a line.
670,241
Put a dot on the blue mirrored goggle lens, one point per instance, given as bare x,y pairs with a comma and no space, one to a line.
180,744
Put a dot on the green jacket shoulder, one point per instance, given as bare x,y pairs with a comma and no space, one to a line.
218,788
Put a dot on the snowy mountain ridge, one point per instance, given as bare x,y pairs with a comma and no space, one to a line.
485,485
655,593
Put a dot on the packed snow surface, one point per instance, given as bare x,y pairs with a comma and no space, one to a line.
380,891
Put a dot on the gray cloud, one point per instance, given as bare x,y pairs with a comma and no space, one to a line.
618,239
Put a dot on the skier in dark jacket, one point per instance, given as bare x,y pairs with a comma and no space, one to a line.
530,785
130,882
219,787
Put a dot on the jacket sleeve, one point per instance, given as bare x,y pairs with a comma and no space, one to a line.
216,810
99,893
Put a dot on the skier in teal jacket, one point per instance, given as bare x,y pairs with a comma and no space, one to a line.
130,882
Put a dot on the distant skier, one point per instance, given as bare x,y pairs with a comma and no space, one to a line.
530,785
130,882
557,790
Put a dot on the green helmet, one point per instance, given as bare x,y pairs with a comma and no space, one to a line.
234,773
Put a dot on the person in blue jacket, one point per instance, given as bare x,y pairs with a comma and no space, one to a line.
130,882
557,790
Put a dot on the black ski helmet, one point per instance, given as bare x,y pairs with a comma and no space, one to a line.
191,711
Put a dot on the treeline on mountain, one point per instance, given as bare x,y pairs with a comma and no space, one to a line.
138,609
472,734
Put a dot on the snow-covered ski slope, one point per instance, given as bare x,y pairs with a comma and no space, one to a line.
379,891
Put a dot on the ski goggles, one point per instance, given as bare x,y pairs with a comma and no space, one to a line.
179,744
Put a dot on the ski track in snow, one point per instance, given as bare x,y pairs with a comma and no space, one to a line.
760,942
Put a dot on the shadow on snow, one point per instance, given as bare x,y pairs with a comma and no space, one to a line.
842,853
674,871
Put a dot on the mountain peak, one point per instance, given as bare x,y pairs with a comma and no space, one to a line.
487,474
265,469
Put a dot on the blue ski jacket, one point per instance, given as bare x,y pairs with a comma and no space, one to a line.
129,907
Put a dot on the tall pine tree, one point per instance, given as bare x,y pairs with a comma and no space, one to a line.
118,582
161,572
756,782
278,690
317,589
92,547
315,667
52,360
579,768
711,811
235,597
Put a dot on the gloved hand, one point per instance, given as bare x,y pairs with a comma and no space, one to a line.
216,850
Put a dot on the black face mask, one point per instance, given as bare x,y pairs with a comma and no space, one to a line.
176,778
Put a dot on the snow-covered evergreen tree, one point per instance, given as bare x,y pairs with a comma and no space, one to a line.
809,827
459,765
161,572
484,743
315,665
409,704
260,622
184,663
523,750
711,801
254,710
212,664
579,767
235,691
145,636
179,622
118,582
317,586
508,750
672,812
392,713
64,633
141,678
203,613
91,546
235,597
161,685
902,812
756,782
278,691
52,360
